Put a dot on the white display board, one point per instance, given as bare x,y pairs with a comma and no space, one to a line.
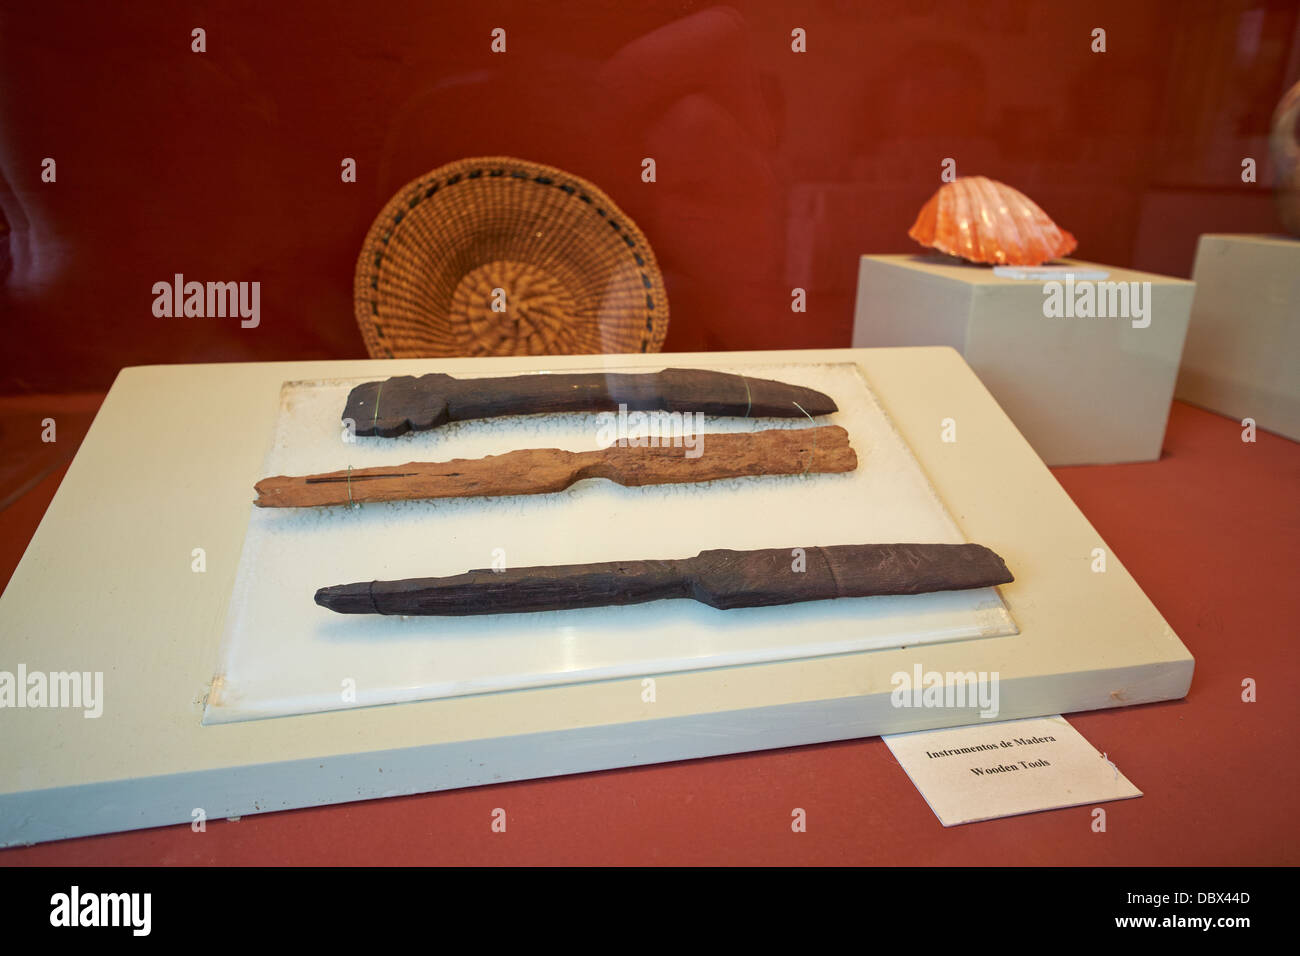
283,654
131,573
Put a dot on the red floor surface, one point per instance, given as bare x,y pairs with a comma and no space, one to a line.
1211,532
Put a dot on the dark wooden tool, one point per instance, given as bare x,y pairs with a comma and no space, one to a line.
533,471
721,579
406,403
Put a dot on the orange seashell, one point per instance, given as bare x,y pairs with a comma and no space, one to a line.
983,220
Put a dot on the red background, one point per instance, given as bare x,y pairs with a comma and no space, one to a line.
775,169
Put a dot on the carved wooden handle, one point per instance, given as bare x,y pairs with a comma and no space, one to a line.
722,579
407,403
532,471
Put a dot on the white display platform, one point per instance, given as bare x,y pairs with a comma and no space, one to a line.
283,654
1242,356
1083,390
107,585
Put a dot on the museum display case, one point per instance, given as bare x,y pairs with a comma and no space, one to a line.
497,394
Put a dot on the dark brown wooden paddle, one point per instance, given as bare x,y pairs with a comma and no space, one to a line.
721,579
407,403
778,451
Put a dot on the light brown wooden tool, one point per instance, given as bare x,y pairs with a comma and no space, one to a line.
534,471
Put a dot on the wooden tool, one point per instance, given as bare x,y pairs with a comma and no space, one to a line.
406,403
721,579
532,471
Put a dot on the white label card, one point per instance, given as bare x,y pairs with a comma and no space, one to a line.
984,771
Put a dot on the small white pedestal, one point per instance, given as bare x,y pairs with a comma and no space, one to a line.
1082,388
1243,349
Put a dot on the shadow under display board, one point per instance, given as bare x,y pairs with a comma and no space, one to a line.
282,654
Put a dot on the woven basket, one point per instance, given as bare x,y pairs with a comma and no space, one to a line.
500,256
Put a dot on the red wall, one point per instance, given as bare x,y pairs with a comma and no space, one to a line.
775,169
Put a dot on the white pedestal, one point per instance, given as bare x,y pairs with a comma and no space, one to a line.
1082,390
1243,349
